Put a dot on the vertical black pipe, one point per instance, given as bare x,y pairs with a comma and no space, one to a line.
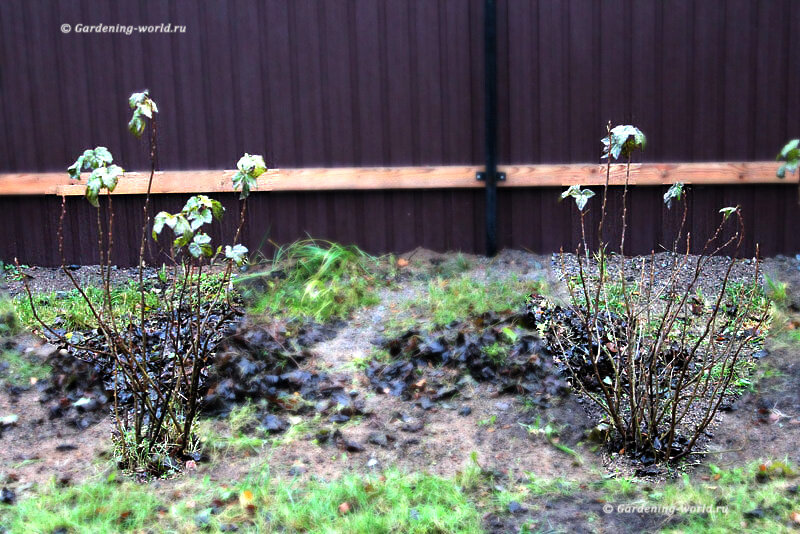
490,118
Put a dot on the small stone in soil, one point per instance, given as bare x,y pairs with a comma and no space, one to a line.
464,411
351,446
502,406
273,423
445,393
648,472
64,447
425,403
514,507
378,438
755,513
339,418
7,496
297,470
412,427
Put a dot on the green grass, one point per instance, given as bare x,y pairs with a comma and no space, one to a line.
741,491
393,502
20,369
93,507
9,322
238,433
323,280
455,299
552,487
73,309
497,352
776,291
398,502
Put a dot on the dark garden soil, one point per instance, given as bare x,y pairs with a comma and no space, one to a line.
51,279
437,405
40,445
765,423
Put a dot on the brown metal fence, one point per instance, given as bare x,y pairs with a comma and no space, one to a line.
399,82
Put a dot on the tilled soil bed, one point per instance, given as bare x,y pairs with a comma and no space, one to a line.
440,402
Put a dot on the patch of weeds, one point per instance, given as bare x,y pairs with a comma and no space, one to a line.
538,486
612,298
360,363
10,271
455,299
393,502
550,432
616,487
776,291
489,421
316,279
239,433
69,310
740,374
300,427
104,506
9,322
497,352
451,267
759,497
19,370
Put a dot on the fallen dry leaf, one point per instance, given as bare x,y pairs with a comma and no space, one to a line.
344,508
795,517
401,262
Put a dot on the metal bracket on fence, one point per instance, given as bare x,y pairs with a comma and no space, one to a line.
481,176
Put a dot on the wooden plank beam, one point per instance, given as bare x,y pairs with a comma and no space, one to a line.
372,178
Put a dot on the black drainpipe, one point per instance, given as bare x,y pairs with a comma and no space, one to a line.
490,176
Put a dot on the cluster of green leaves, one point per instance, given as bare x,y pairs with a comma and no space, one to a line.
790,155
581,196
623,140
186,224
249,168
675,192
104,174
321,280
142,106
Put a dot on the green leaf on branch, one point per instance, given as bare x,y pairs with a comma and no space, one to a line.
90,160
236,253
675,192
623,140
136,124
727,212
142,106
93,186
790,154
581,196
159,221
201,246
250,167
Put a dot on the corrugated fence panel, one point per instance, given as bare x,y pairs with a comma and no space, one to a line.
399,82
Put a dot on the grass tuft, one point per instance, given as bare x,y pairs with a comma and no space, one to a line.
321,280
73,312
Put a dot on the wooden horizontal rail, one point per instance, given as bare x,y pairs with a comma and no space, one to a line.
445,177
